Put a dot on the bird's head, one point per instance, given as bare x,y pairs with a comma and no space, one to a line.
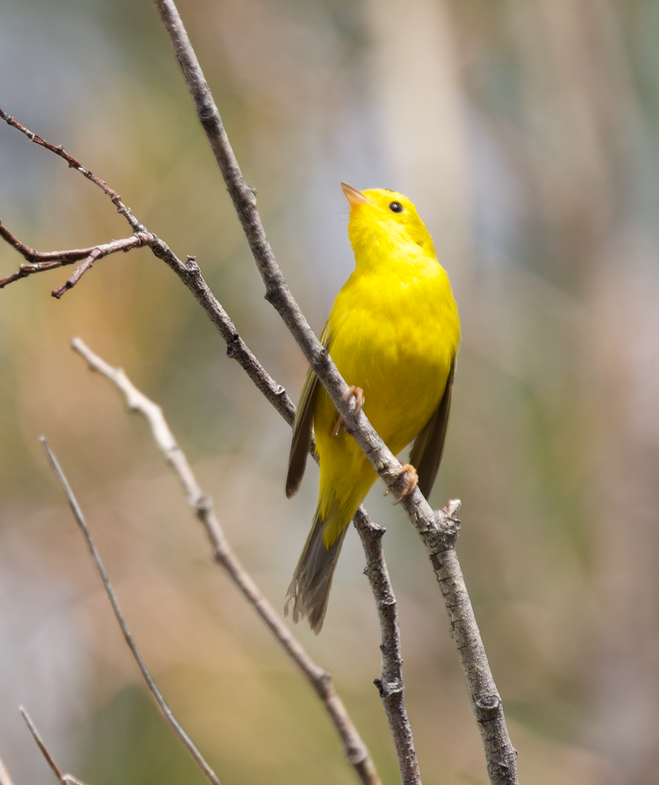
380,218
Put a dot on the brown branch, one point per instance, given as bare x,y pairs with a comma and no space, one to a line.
75,164
40,262
355,750
31,255
183,737
44,750
438,530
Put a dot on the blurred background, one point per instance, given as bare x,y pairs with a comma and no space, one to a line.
526,133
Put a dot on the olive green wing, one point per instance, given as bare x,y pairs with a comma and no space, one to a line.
428,446
302,427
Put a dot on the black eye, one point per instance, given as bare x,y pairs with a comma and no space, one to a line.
396,207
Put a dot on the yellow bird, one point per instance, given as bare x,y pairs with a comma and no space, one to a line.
394,334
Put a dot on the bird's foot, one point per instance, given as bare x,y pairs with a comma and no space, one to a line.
358,394
412,481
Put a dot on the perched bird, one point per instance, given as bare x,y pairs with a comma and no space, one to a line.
393,333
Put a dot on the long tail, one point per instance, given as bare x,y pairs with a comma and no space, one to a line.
310,587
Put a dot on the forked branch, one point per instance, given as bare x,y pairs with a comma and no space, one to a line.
40,262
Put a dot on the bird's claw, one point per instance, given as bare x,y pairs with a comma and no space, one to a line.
358,394
412,481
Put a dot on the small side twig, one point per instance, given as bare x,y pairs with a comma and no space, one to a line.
183,737
40,262
32,256
354,748
65,779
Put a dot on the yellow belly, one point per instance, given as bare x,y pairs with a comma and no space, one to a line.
397,346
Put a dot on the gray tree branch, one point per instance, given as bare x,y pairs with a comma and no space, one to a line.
438,530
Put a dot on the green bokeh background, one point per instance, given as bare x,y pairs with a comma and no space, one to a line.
525,131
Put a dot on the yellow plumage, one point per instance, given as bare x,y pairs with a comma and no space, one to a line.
394,332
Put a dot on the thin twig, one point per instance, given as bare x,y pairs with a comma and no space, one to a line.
31,255
355,750
5,779
40,262
75,164
183,737
65,779
438,530
44,750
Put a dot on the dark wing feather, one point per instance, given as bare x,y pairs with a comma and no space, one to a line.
297,460
428,446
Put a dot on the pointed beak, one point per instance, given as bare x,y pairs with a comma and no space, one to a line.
354,196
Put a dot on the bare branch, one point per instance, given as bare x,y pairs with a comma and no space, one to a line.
354,748
183,737
65,779
188,272
437,530
390,686
75,164
40,262
44,751
31,255
5,779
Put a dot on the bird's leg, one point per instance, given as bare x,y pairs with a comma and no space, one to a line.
412,481
358,394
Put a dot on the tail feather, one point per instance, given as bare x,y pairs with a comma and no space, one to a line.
310,587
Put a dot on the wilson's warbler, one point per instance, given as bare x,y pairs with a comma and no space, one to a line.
393,333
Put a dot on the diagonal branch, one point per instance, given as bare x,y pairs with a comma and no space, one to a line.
75,164
5,778
65,779
354,748
183,737
438,530
31,255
